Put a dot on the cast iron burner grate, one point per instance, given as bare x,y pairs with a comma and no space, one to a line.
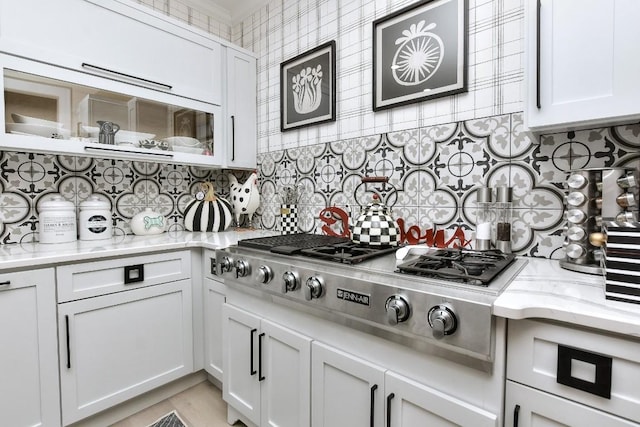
331,248
471,267
347,253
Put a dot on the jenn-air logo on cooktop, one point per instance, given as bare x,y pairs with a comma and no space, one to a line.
351,296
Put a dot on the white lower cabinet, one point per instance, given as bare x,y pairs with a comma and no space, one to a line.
266,370
528,407
349,391
560,375
213,348
117,346
29,393
346,390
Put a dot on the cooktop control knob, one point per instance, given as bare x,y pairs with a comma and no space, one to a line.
314,287
397,309
264,274
443,320
226,264
242,268
290,281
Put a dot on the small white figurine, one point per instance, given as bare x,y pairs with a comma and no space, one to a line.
245,198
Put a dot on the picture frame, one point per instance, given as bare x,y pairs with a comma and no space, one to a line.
420,53
184,123
308,88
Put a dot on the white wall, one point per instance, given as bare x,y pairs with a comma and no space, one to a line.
285,28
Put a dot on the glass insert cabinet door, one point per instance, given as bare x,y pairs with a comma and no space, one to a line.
50,109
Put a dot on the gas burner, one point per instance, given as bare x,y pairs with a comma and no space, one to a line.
471,267
346,253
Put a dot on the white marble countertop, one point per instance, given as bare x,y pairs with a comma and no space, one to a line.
39,254
544,290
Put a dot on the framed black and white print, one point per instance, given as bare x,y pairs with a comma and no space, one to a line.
420,53
308,88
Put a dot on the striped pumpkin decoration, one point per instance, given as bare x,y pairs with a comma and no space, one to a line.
211,214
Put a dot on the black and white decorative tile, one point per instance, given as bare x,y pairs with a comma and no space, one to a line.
436,170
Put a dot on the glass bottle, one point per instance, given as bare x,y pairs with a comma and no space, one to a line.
503,219
483,219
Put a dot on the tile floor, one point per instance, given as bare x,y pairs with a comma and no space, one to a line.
198,406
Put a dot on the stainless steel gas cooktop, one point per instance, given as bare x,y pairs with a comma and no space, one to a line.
439,303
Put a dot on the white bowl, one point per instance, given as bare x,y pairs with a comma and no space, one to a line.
19,118
39,130
121,137
183,141
190,150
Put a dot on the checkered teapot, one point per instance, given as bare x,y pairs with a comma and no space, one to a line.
375,226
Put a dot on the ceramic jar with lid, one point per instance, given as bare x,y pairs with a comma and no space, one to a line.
57,221
95,219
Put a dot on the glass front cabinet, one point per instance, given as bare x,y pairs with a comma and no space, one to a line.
59,110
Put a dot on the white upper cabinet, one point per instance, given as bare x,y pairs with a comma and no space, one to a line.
117,40
582,63
241,110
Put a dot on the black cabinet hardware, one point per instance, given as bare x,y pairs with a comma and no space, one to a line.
373,396
516,414
126,76
253,331
133,273
389,397
66,322
260,376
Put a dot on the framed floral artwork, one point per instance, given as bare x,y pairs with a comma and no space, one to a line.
420,53
308,88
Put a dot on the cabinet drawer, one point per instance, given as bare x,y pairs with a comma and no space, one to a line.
598,370
77,281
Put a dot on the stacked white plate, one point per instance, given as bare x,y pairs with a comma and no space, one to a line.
25,125
185,144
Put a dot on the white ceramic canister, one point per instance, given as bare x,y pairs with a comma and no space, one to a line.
95,219
57,222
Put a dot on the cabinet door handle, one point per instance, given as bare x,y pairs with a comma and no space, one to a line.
66,323
516,414
373,397
260,376
233,138
391,396
538,102
126,76
6,283
253,331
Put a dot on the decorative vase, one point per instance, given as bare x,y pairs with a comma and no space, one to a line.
210,213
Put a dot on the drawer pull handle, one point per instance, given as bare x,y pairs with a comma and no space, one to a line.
5,283
126,76
133,273
601,386
516,415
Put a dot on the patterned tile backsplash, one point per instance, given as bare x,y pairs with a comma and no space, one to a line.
27,179
436,171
